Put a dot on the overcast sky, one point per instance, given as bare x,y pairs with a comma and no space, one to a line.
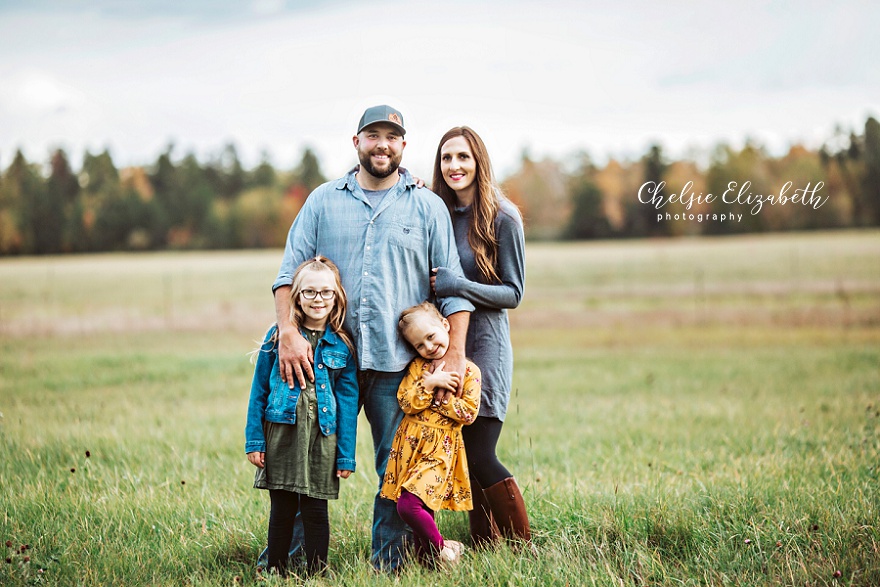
554,77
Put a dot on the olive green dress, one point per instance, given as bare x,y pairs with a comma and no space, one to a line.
299,457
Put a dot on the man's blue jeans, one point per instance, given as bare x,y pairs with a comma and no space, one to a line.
378,395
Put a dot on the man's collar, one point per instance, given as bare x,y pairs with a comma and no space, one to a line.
349,181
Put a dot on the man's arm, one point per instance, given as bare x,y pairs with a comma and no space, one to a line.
295,355
454,357
294,352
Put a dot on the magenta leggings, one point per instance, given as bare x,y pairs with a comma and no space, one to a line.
420,518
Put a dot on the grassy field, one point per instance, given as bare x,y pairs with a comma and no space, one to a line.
686,412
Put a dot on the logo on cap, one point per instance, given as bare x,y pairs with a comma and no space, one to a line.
393,117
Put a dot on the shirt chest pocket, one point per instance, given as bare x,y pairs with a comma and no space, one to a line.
335,360
408,236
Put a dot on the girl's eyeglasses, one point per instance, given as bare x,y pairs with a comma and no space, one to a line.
310,294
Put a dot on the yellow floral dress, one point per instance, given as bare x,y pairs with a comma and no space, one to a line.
427,455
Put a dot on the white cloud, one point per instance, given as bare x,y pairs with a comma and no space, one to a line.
554,78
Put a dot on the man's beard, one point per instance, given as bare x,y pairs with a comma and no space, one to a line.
367,165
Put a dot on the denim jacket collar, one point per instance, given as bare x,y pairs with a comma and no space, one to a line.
329,338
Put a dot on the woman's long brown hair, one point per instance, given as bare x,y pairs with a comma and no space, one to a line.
481,232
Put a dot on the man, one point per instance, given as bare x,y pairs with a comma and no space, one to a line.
385,234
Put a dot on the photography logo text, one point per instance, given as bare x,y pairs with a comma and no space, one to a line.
705,207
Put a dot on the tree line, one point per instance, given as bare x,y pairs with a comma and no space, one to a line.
593,201
171,204
182,203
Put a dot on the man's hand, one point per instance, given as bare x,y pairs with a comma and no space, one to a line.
457,364
342,474
458,326
257,459
295,355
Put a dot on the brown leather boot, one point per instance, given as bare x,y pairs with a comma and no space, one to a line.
484,531
509,510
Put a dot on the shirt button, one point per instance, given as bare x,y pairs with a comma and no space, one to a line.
363,299
324,409
323,386
320,365
368,247
366,272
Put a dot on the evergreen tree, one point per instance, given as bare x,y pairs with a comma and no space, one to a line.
21,182
99,180
729,165
62,189
124,221
846,157
588,219
162,178
263,174
47,207
192,203
225,175
871,177
308,172
641,218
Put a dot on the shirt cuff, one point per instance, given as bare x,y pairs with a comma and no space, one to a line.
451,305
345,464
282,281
254,447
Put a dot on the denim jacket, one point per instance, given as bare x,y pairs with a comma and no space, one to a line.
335,385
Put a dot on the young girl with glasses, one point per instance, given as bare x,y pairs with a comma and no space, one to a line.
427,468
302,441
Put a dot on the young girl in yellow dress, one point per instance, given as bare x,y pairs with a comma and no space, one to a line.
427,468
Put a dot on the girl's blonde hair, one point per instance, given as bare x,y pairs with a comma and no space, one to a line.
481,232
336,319
409,315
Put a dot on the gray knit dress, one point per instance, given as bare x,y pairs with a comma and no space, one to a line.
488,339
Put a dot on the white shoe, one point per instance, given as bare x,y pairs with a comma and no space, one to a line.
451,552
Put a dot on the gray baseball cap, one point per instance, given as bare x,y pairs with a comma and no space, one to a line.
382,113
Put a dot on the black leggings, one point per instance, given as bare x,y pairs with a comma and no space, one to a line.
480,439
316,527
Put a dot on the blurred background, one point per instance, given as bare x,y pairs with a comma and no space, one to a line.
204,125
690,406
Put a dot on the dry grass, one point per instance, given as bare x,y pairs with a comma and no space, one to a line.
686,412
823,280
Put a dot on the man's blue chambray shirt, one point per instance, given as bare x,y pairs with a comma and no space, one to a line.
385,256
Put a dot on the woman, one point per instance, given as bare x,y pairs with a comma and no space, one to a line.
489,235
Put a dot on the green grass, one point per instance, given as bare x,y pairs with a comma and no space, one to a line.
665,431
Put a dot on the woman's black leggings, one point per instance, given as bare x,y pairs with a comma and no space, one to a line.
316,528
480,439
